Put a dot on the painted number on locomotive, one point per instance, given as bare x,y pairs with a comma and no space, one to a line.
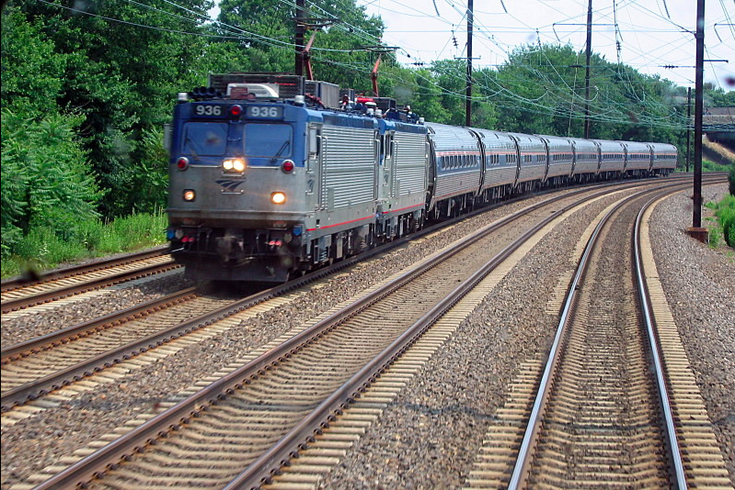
263,112
208,110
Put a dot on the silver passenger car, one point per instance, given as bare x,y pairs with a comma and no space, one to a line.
586,159
456,169
533,161
561,159
501,162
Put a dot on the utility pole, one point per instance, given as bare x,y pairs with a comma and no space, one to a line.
299,37
696,230
689,129
468,106
587,74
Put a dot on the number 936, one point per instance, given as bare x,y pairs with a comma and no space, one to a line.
208,110
266,112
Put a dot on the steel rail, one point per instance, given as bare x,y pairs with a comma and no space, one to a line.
50,340
75,270
655,347
45,297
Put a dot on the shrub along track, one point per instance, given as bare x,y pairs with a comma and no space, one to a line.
277,390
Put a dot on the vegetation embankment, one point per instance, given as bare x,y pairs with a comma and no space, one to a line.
722,154
86,91
709,166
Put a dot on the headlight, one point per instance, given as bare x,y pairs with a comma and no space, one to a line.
234,165
278,197
189,195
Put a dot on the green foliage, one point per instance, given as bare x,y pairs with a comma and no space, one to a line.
717,97
731,180
111,69
149,176
726,214
133,232
709,166
46,179
32,72
43,248
723,223
267,31
541,89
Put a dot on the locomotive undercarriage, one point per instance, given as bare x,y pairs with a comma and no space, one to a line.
233,254
275,255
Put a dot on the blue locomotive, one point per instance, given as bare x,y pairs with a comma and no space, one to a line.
273,175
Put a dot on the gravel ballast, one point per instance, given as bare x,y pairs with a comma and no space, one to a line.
429,437
90,306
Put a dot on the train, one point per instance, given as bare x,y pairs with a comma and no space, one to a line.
273,175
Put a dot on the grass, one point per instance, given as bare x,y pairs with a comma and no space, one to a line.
708,166
42,249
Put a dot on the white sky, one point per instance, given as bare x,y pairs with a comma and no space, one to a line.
652,33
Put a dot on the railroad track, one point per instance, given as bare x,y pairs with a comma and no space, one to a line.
24,292
269,409
20,293
39,367
608,411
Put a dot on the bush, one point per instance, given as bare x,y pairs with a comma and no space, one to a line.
709,166
723,225
47,182
43,247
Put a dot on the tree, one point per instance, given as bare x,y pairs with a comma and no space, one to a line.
123,64
46,178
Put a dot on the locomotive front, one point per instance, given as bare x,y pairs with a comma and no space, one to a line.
236,194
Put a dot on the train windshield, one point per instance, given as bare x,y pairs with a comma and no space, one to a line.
204,139
268,140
